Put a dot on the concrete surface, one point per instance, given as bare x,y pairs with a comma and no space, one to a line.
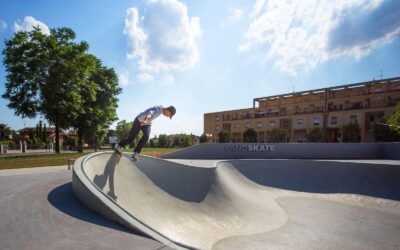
39,211
247,204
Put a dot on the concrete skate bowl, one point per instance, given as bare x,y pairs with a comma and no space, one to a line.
245,204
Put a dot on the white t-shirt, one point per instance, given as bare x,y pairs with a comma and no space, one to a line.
151,114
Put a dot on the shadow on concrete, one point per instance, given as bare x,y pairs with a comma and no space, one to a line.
64,200
187,183
377,180
101,180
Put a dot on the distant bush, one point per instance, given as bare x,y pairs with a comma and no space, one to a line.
279,135
315,135
250,135
351,132
203,138
7,142
224,136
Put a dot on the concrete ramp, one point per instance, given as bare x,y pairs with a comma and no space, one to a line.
235,205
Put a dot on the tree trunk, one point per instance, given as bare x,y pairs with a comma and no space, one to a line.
57,134
95,143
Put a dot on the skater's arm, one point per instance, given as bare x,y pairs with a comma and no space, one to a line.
148,115
146,119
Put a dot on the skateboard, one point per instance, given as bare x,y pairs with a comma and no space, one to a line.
119,154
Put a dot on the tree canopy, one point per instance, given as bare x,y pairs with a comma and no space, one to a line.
250,135
351,132
315,135
54,76
279,135
224,136
394,120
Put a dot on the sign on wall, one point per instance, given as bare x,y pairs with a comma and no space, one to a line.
249,148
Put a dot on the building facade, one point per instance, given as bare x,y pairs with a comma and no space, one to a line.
30,132
300,112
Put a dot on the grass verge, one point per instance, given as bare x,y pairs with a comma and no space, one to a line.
156,152
31,161
42,160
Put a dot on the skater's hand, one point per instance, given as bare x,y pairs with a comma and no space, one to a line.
145,120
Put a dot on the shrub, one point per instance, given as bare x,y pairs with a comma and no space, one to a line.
279,135
250,135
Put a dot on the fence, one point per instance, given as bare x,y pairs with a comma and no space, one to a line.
22,147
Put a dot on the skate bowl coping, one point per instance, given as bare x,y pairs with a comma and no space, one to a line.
193,207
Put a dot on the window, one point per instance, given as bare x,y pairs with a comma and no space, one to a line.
334,120
217,118
216,127
300,121
237,125
259,124
316,121
272,124
353,118
247,125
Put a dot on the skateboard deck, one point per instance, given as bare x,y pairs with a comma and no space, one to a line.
120,154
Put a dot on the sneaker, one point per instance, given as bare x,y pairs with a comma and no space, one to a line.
135,157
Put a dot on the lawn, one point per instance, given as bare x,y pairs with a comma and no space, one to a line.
157,152
41,160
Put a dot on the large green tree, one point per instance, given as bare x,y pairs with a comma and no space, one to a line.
122,129
45,74
99,106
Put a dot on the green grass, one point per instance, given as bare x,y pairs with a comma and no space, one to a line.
157,152
31,161
41,160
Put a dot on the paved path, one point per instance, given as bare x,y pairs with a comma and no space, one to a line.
39,211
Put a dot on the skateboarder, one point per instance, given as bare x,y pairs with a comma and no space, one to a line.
143,122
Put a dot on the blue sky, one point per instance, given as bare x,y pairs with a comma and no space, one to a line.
208,56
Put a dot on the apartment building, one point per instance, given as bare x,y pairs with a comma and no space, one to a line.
299,112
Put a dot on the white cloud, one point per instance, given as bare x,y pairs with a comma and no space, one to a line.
163,38
29,23
168,80
304,33
145,77
3,24
124,77
235,15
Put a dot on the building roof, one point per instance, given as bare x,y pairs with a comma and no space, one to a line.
334,88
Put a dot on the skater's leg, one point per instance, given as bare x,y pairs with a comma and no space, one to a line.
132,134
146,135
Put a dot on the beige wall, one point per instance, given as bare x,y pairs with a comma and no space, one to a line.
342,103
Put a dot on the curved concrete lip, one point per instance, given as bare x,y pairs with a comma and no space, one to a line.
100,202
239,203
